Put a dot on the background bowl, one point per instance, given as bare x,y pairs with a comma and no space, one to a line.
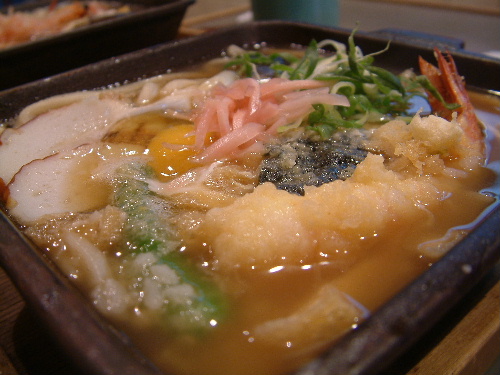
149,22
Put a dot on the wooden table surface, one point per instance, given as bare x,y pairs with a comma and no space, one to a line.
465,342
25,348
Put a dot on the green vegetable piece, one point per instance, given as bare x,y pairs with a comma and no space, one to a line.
147,230
326,119
308,63
426,84
248,63
144,231
207,309
387,78
353,65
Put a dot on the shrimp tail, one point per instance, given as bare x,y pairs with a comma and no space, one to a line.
53,4
448,82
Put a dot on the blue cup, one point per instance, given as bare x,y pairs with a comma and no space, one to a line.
319,12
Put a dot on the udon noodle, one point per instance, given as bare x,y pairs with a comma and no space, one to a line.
238,219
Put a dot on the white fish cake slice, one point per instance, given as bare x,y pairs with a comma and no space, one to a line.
61,129
57,184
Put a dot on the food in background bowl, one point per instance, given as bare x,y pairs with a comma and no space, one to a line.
241,216
17,27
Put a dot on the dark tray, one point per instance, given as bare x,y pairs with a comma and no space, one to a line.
98,348
149,22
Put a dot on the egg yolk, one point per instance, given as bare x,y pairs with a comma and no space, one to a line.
171,152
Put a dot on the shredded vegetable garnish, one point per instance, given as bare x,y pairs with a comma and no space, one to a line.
375,94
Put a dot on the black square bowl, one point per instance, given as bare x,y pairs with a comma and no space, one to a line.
99,348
